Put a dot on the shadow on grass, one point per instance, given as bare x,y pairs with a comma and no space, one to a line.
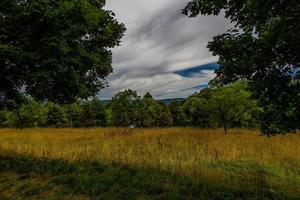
24,177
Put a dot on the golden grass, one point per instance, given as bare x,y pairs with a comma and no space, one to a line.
205,153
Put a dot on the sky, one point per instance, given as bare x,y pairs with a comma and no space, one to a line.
163,51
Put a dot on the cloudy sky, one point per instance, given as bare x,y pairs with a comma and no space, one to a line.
163,51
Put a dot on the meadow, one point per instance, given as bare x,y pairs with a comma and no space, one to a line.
172,163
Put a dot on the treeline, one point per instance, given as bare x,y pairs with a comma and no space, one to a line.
229,106
35,114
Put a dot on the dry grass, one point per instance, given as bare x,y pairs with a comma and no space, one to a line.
241,156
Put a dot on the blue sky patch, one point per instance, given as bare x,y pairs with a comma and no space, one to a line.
190,72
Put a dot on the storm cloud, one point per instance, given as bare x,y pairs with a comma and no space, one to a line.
159,46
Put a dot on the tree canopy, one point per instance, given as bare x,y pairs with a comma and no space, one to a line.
230,106
55,50
130,109
264,47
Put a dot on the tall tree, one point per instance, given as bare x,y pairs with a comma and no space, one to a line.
124,107
165,116
264,47
149,111
178,115
193,108
56,50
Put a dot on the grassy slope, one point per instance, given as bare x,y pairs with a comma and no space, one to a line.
157,164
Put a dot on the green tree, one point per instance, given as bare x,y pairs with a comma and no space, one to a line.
193,108
178,114
72,114
263,47
124,107
153,113
92,114
99,112
165,116
55,50
55,116
230,105
149,111
87,116
28,115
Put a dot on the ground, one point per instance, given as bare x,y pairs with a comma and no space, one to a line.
111,163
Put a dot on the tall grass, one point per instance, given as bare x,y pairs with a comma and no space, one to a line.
241,157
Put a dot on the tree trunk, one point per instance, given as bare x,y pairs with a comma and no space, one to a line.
225,129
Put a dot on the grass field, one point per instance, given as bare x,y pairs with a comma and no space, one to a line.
171,163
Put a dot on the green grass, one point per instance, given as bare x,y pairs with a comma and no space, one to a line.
23,177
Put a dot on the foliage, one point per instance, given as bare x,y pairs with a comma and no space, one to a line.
164,116
72,113
223,106
29,114
93,114
42,41
194,109
99,111
178,114
130,109
55,116
153,113
230,106
125,108
3,118
149,111
263,48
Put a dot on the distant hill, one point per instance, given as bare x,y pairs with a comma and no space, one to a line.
105,102
169,101
166,101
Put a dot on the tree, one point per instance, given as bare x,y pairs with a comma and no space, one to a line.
92,114
30,114
99,112
87,116
124,107
55,116
263,48
55,50
72,114
230,105
149,115
178,113
153,113
165,116
193,108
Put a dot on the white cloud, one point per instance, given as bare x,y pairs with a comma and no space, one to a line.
160,40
